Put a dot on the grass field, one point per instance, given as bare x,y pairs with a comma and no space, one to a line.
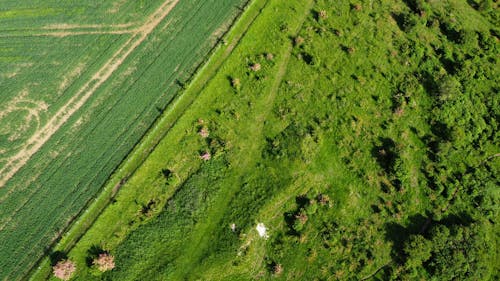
77,96
366,141
362,134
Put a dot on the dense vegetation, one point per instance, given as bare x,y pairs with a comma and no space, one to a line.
363,134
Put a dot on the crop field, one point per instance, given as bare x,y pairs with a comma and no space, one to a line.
81,82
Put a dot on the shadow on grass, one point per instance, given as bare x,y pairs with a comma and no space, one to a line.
92,254
57,256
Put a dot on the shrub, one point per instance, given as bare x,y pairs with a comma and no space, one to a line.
299,41
104,262
322,14
204,133
356,7
206,156
255,67
278,269
236,83
64,269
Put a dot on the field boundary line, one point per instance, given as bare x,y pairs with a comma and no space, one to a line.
38,139
151,139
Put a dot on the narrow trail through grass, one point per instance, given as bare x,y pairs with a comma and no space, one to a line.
199,242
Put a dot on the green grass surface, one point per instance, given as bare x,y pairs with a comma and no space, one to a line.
367,144
366,141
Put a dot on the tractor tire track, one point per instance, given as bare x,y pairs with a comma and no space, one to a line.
63,30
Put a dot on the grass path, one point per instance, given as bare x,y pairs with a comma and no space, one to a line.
200,241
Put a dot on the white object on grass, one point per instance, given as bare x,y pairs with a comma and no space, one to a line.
262,230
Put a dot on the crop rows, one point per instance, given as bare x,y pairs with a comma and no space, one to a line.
32,15
68,170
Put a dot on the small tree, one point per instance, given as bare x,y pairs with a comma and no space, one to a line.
236,83
206,156
105,262
356,7
299,41
64,269
277,269
256,67
204,133
322,14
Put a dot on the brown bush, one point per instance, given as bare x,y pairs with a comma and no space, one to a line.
64,269
104,262
256,67
302,217
324,199
278,269
356,7
204,133
236,83
206,156
299,41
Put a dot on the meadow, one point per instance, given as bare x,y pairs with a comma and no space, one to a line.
362,134
79,89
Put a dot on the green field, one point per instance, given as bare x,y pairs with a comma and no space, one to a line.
367,144
79,89
364,135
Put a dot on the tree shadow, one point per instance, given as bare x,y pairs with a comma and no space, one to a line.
473,4
92,253
429,83
449,65
400,20
291,216
386,154
451,33
307,58
399,234
462,219
167,174
418,224
57,256
441,132
315,15
412,4
301,201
